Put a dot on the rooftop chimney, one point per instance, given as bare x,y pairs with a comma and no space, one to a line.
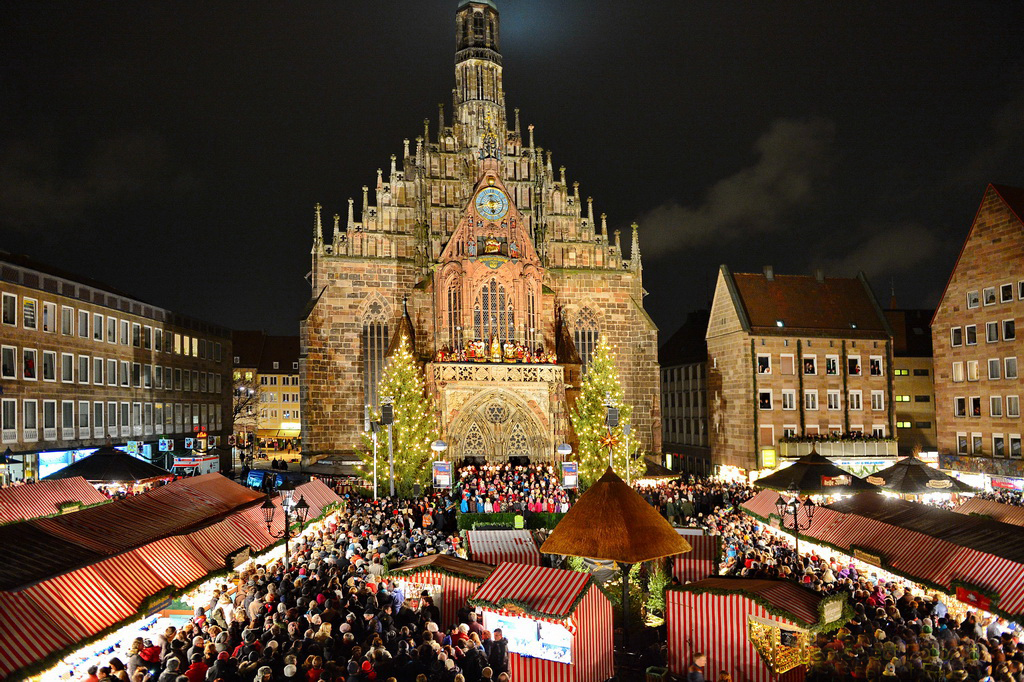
769,273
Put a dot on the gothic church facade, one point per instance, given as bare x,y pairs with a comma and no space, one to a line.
473,245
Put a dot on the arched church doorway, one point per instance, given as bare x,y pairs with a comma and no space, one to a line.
498,425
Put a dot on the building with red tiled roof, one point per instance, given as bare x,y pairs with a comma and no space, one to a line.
978,385
266,374
793,359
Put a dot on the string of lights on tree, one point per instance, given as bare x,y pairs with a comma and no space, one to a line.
414,427
601,384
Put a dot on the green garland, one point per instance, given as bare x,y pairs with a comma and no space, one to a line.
947,590
533,521
60,511
988,594
526,608
412,573
847,612
142,611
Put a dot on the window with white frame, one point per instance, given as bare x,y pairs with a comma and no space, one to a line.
878,431
28,313
126,419
1006,293
958,372
991,332
28,364
995,406
83,324
853,367
833,400
112,418
97,371
988,295
30,419
973,299
956,336
136,334
764,363
50,317
83,368
1015,445
97,327
158,339
810,399
1010,368
49,420
877,400
831,365
84,417
125,373
111,330
875,365
856,400
67,419
158,376
10,309
977,444
810,363
9,420
787,364
136,375
788,399
971,334
998,445
972,370
961,443
8,362
975,406
50,367
1009,330
994,366
67,320
218,354
111,372
764,399
147,376
1013,406
147,337
97,417
124,332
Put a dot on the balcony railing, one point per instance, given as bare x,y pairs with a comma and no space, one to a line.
67,433
97,432
10,435
31,435
868,447
111,431
50,434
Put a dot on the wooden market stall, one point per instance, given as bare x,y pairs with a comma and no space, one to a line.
558,623
756,630
495,546
701,561
450,580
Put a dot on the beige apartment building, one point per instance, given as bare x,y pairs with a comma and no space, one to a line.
83,364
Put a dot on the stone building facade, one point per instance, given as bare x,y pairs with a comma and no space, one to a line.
913,383
793,357
978,386
473,243
83,364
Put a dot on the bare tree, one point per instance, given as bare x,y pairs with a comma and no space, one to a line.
245,403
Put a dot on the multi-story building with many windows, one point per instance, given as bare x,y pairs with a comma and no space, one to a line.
266,377
83,364
684,396
796,362
913,385
978,386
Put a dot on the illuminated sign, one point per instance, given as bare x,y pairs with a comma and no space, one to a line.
190,443
570,474
867,558
442,474
769,460
833,481
166,445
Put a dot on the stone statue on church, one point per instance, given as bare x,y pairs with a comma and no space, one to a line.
495,349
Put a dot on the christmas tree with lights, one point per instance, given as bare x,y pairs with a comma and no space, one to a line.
414,427
600,387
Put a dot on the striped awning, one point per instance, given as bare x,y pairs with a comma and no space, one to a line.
786,597
701,561
169,559
131,577
27,632
495,546
82,601
317,495
21,502
997,511
546,592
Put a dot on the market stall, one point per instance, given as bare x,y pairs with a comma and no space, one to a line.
756,630
701,561
997,511
450,581
495,546
558,623
46,498
912,478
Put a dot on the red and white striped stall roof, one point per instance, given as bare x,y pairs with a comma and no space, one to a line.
550,592
27,633
712,617
21,502
82,601
169,559
131,577
699,563
318,496
1004,513
495,546
568,598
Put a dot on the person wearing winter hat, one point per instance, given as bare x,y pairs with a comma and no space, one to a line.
264,674
290,670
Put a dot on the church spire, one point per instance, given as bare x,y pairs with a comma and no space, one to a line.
634,251
318,233
478,79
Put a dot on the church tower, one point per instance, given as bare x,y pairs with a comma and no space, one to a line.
478,95
507,278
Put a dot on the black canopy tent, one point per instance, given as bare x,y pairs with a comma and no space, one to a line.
109,465
813,474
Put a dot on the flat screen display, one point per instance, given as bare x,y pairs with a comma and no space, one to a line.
534,638
255,479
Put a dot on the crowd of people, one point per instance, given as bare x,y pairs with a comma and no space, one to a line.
497,488
332,614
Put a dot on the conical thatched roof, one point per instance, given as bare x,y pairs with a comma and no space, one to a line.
108,464
611,521
813,474
911,476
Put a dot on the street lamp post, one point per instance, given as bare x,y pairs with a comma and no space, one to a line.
387,418
626,428
374,428
439,446
792,508
611,420
300,510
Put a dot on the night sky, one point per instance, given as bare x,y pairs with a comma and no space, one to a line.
176,149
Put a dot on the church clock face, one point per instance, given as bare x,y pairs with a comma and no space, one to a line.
492,203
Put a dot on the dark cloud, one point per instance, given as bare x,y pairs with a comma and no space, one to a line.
1006,138
881,250
40,187
793,156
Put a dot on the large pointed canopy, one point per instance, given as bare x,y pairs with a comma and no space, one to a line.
611,521
108,464
813,474
911,476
